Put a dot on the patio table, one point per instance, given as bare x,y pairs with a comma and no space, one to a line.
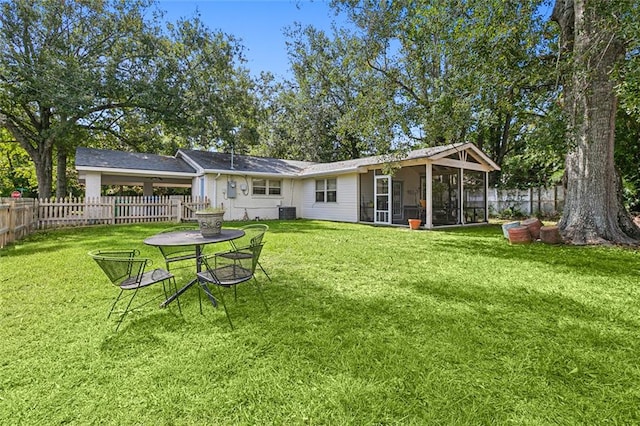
190,238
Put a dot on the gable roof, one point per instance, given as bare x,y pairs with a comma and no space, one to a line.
91,158
431,152
242,164
194,162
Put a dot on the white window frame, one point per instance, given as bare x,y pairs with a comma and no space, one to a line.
269,187
325,191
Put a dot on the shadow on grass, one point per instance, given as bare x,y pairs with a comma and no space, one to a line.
119,236
488,241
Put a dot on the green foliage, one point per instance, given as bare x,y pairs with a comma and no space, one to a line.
627,157
337,108
106,72
511,212
16,171
367,325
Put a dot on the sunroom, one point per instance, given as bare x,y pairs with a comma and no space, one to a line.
442,186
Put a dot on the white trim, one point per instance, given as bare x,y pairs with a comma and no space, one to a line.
466,146
461,165
133,172
251,173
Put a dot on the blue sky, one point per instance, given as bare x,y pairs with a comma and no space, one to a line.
259,23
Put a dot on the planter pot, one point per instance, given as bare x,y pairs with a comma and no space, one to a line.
414,223
534,226
210,223
519,235
506,226
550,235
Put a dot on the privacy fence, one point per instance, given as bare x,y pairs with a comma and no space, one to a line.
528,202
20,217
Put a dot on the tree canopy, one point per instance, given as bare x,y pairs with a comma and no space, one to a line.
107,72
541,99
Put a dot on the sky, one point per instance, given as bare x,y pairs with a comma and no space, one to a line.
258,23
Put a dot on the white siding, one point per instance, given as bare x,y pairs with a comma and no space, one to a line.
344,210
255,206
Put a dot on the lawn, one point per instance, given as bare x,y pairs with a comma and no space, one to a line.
367,325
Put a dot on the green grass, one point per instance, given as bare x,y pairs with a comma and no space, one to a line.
367,326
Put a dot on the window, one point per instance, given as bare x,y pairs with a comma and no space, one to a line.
267,186
274,187
326,191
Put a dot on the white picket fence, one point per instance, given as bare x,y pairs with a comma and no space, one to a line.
20,217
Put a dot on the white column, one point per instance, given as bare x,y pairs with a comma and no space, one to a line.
147,189
93,184
429,210
461,212
486,197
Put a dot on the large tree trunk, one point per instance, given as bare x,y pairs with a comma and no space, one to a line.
42,156
61,173
593,211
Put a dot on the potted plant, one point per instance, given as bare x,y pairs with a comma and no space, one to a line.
414,223
210,221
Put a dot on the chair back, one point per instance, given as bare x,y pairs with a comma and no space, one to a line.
253,235
120,265
235,268
177,253
255,250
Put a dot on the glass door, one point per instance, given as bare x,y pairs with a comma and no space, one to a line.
382,195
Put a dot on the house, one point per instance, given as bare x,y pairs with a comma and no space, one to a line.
444,185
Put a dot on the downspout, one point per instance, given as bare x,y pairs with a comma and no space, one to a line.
214,201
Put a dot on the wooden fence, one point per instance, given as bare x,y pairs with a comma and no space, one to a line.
20,217
533,201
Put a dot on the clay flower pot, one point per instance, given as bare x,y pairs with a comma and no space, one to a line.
519,235
550,235
414,223
534,226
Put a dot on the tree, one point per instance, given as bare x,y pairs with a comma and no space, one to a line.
78,71
464,71
336,108
593,42
16,171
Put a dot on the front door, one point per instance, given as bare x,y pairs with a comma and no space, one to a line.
382,195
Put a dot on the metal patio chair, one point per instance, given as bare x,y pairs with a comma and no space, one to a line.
173,254
127,271
253,235
225,272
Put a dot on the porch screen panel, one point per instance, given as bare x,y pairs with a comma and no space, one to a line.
474,196
445,195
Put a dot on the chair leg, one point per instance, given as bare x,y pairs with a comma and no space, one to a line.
175,288
126,310
164,290
259,287
114,303
265,272
207,291
224,305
